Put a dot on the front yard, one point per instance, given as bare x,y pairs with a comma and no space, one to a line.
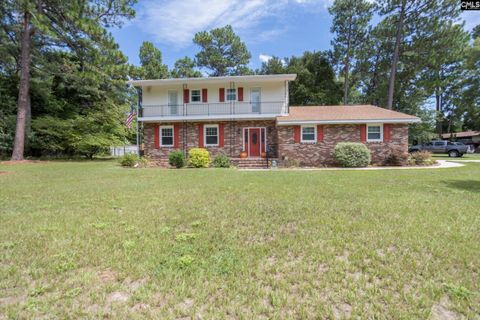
91,239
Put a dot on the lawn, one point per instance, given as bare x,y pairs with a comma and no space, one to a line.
92,239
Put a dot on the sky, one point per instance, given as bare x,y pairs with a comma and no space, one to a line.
268,27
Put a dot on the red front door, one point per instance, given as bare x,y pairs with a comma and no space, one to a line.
254,142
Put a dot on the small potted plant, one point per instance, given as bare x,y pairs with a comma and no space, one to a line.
243,154
264,155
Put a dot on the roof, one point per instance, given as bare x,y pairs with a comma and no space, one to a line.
343,114
255,78
464,134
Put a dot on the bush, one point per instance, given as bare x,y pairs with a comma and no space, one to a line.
129,160
198,157
351,154
132,160
398,156
176,159
221,161
421,158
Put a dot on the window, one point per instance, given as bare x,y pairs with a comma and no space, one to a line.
231,94
211,135
374,132
196,96
308,134
439,144
166,136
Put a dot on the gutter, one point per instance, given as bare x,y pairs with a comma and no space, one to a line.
359,121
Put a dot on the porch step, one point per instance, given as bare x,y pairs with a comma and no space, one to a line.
250,163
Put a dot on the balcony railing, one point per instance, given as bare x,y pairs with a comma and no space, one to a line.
213,109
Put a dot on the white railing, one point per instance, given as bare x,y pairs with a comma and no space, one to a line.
213,109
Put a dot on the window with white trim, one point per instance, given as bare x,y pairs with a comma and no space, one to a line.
309,134
374,132
196,95
231,94
211,134
166,136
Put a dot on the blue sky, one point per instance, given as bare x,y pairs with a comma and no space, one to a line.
268,27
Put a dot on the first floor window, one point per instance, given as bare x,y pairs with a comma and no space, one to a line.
211,135
231,94
308,134
196,96
374,132
166,136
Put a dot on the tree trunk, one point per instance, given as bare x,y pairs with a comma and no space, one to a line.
396,53
347,63
22,104
438,109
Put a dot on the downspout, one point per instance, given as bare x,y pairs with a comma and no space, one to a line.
139,110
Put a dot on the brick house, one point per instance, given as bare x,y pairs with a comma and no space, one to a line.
251,115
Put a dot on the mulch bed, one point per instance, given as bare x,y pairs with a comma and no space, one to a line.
21,162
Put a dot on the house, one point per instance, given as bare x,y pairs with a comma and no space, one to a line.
252,115
470,138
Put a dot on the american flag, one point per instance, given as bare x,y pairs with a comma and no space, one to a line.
131,116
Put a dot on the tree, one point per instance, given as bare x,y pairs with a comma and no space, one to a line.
274,65
151,62
315,83
74,26
410,15
350,25
185,68
222,52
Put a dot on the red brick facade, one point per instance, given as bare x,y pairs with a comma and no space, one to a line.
321,153
280,140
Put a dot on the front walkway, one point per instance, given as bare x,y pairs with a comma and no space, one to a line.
441,165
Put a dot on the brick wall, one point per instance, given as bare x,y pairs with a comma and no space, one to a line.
233,140
321,154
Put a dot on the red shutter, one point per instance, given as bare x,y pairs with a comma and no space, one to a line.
200,135
221,95
186,96
176,135
296,134
386,132
221,128
156,137
363,132
204,95
319,133
240,94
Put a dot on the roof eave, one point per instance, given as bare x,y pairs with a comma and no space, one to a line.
260,78
355,121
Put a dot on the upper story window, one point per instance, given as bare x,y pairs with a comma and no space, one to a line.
196,95
308,134
374,132
166,136
211,134
231,94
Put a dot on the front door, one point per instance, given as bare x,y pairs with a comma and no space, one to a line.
254,142
172,103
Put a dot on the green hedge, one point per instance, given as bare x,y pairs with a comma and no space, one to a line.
352,154
176,159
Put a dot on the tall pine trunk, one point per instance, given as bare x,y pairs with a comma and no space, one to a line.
23,92
439,111
396,53
347,64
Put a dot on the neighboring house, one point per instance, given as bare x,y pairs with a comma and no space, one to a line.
471,138
251,114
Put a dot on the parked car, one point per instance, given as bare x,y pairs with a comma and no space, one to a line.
453,149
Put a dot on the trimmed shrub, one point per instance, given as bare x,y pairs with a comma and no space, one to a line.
198,157
221,161
352,154
176,159
128,160
421,158
398,156
132,160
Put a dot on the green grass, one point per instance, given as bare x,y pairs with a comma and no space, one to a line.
467,156
92,239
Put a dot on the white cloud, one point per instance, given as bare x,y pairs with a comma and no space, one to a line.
264,57
175,22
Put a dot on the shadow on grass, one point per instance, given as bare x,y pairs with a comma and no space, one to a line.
468,185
